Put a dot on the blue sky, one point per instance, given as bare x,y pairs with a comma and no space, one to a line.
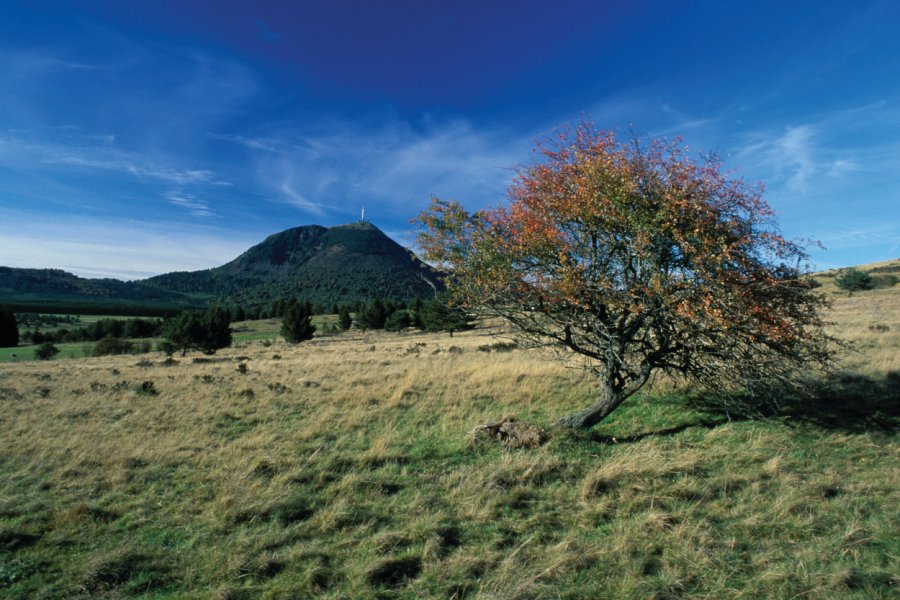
143,137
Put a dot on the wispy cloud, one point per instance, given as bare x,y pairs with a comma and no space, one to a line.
390,165
785,157
795,150
25,155
295,198
253,143
130,164
842,166
194,205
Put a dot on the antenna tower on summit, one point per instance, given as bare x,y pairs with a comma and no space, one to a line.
362,217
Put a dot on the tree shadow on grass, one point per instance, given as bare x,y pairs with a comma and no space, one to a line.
850,403
628,439
847,402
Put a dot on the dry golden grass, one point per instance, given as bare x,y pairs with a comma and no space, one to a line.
870,320
342,467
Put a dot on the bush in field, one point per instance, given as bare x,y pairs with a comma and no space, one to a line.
439,315
205,331
373,315
113,345
297,324
854,280
167,347
9,329
46,351
884,281
344,319
398,320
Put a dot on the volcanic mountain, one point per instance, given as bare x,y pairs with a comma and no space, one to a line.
325,265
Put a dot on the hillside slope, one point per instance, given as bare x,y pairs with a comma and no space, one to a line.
327,265
869,319
52,289
339,264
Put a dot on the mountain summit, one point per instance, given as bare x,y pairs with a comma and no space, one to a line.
321,264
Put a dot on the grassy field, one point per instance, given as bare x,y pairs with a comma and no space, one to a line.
26,352
243,331
343,468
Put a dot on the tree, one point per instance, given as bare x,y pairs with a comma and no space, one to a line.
438,315
344,319
373,315
9,329
216,325
205,331
638,260
415,312
398,320
184,331
239,314
46,351
854,280
297,325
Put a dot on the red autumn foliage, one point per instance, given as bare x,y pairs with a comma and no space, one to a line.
639,259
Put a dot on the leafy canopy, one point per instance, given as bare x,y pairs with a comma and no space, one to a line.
638,259
854,280
206,331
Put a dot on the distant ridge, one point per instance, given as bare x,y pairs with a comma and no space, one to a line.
325,265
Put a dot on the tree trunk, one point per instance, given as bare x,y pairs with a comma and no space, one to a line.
590,416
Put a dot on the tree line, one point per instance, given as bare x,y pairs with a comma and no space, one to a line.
115,328
210,330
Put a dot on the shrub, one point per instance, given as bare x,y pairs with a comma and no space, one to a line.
46,351
439,315
112,345
167,347
207,331
373,315
853,280
397,321
884,281
297,325
344,318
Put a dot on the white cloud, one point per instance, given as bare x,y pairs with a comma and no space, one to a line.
785,157
841,166
293,197
390,166
254,143
130,163
195,205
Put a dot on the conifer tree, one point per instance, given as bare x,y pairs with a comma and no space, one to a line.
9,329
297,324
